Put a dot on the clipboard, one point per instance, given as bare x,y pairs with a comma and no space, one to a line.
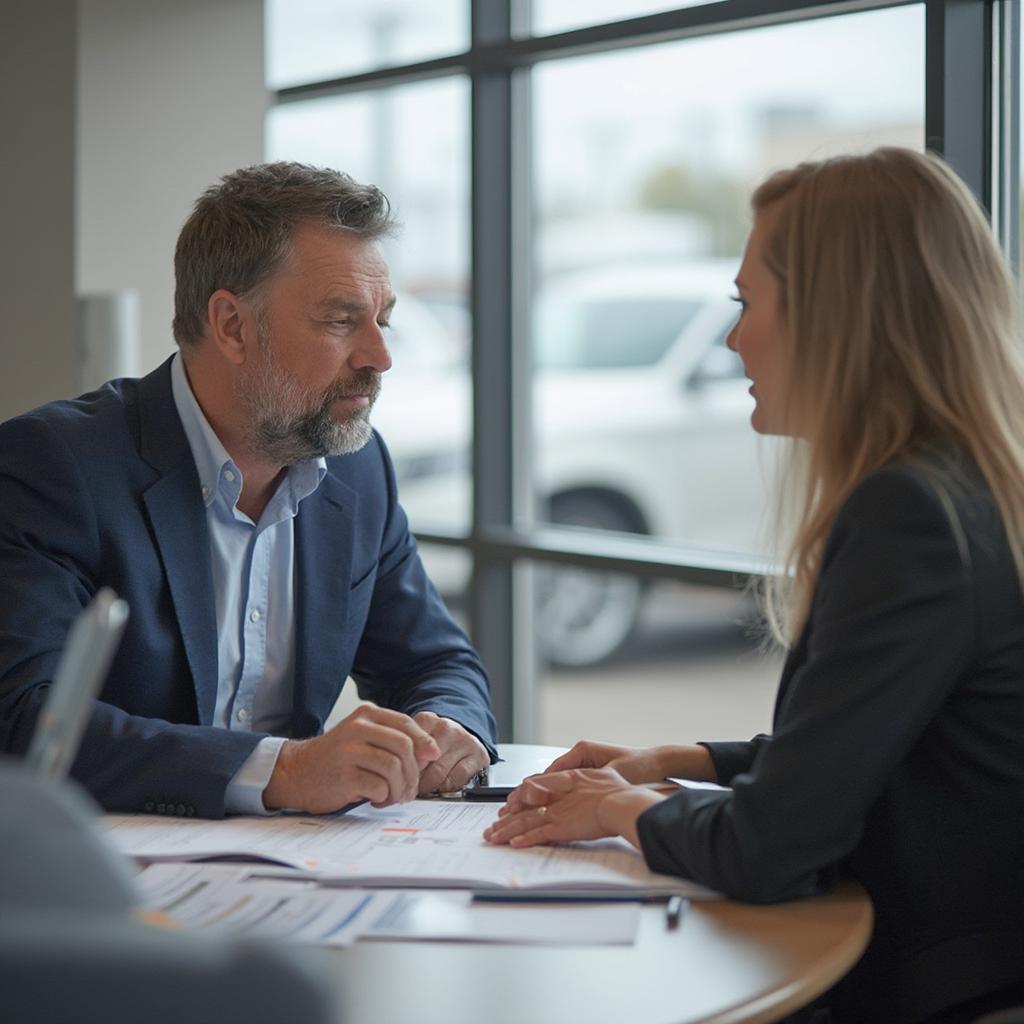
81,670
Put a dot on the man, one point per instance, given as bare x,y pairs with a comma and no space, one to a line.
239,500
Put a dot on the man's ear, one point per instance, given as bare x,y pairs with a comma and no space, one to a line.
232,325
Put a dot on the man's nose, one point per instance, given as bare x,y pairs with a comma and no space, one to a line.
372,350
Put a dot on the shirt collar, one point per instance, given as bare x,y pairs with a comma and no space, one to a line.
215,466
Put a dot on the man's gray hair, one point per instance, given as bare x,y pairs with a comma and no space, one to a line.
241,230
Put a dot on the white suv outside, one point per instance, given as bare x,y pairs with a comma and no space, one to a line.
642,424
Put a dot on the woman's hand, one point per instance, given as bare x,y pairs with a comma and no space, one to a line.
639,765
632,764
582,803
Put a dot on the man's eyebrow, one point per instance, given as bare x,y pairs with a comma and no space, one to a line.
340,302
336,303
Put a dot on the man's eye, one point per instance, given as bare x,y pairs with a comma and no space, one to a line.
384,324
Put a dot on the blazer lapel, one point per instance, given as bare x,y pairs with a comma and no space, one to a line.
324,539
178,519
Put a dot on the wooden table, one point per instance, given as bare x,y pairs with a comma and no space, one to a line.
726,962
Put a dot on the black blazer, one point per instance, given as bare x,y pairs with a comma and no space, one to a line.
103,491
897,752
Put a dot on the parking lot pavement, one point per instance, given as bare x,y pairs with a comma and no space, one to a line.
692,671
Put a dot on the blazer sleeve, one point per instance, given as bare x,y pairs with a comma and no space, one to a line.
733,757
412,656
890,631
54,555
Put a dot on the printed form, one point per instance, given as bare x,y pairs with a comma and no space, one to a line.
230,899
233,899
425,843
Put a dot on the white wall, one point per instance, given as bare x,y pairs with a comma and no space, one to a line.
37,156
170,98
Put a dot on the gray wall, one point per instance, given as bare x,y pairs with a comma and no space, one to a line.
37,158
171,97
114,115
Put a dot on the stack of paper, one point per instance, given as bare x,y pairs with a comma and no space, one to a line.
233,899
230,899
428,844
407,871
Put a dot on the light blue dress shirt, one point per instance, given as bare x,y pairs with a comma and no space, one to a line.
253,572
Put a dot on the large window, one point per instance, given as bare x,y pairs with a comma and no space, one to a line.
318,40
412,141
644,161
645,158
570,431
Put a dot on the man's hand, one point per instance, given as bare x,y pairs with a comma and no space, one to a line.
374,754
462,755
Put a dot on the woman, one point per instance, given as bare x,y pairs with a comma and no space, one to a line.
877,328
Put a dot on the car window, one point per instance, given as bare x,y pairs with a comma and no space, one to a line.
604,333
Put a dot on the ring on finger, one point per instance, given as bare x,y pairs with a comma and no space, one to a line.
542,811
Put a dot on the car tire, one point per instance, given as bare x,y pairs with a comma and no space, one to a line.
584,615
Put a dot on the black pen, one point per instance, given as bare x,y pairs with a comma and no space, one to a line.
673,912
504,895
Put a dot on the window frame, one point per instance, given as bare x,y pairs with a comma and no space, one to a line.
971,118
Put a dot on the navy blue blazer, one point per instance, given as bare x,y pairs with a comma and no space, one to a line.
102,490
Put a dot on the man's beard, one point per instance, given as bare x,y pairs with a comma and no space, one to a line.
289,425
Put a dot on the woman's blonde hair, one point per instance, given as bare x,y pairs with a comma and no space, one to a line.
900,341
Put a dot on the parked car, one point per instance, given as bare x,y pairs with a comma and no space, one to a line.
641,425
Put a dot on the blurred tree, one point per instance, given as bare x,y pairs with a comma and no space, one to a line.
723,202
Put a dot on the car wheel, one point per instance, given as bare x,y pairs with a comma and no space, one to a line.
584,615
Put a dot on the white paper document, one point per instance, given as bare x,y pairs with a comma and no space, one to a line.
234,899
425,843
230,899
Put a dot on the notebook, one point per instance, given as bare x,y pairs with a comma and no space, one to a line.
81,670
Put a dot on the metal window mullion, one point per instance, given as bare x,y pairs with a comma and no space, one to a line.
958,89
492,605
1006,130
611,552
378,78
681,23
525,666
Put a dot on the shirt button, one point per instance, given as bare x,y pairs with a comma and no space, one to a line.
254,615
229,476
206,492
242,715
